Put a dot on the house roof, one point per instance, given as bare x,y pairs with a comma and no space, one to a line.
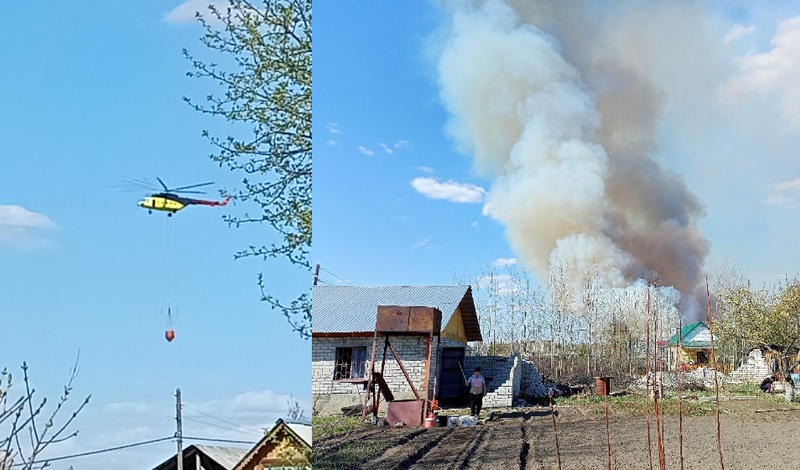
299,430
226,457
353,309
673,341
302,430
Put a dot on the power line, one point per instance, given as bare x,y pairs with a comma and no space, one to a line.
127,422
94,405
334,275
218,426
259,431
84,454
207,439
128,446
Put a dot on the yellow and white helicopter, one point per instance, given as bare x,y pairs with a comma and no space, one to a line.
171,200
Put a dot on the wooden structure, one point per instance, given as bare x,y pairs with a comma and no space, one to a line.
286,445
402,321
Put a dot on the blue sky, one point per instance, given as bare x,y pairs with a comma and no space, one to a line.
733,137
91,95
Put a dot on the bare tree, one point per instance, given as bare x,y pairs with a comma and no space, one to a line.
22,415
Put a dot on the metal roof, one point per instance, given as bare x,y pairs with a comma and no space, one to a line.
302,430
353,309
673,341
228,457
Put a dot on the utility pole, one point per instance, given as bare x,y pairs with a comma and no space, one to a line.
316,275
179,434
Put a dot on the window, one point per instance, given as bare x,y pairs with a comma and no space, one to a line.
351,363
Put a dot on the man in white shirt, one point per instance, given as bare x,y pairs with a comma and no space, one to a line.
477,389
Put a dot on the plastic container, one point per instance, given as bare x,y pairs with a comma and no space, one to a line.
430,422
468,421
452,422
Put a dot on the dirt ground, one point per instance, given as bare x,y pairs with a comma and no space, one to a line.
524,439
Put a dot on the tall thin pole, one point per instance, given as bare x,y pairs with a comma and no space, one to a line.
647,377
714,363
680,401
316,275
179,434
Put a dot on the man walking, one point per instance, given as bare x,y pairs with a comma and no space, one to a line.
477,389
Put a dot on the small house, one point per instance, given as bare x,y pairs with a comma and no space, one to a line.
343,333
695,346
286,446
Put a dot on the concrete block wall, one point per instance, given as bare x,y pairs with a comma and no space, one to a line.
752,371
500,390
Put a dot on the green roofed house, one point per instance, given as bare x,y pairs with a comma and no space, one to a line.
695,347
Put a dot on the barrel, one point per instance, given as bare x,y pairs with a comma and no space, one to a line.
602,386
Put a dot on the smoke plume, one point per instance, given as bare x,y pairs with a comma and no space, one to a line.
561,110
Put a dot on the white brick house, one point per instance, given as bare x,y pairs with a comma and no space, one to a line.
343,331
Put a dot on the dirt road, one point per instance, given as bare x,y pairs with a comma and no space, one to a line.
525,440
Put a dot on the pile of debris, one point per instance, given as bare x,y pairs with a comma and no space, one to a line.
531,381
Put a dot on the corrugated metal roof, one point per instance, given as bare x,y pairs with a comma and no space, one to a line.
685,332
302,430
354,309
228,457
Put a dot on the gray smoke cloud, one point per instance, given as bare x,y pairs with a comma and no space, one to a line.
560,104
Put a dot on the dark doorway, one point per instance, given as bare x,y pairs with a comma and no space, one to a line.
451,378
702,357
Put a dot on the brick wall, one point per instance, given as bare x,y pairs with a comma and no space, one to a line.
412,351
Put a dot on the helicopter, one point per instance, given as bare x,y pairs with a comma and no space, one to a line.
171,200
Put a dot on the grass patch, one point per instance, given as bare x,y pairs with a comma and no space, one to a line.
637,406
332,426
348,454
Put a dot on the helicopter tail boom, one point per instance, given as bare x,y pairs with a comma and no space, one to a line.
210,203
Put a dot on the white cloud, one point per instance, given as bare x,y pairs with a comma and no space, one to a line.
423,244
401,144
22,228
737,32
366,151
778,192
503,283
425,169
449,190
775,70
186,12
386,148
331,142
779,201
18,216
474,224
500,262
785,185
333,127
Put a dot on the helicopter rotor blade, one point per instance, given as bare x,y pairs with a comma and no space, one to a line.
187,192
192,186
162,184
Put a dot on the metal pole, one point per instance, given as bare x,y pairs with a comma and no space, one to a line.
316,275
179,434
